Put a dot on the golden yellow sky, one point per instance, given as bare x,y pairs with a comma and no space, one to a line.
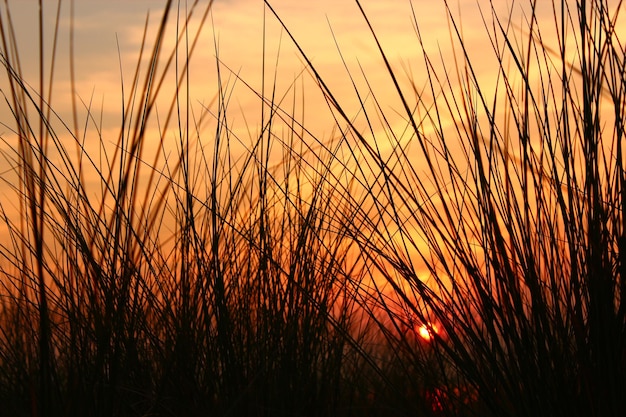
237,27
107,41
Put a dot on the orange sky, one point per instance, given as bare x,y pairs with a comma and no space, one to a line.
237,28
237,24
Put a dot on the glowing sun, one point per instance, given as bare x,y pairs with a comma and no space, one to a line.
427,331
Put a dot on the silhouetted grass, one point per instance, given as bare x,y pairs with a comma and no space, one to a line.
141,281
499,216
179,269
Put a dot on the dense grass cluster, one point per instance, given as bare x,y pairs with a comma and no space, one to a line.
289,276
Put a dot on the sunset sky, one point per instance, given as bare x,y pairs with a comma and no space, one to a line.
236,26
108,36
324,29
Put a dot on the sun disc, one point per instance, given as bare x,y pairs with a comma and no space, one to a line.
425,331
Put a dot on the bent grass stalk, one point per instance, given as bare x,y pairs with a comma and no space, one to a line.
507,229
183,283
292,278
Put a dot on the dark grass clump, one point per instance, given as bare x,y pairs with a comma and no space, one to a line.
499,216
154,277
178,269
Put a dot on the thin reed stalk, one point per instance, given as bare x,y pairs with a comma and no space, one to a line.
498,217
136,280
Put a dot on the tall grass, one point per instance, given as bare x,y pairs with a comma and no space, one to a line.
176,279
185,270
504,227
